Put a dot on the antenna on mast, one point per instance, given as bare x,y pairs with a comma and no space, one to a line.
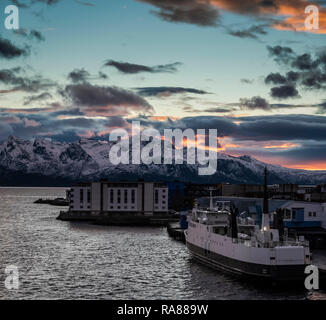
265,204
211,206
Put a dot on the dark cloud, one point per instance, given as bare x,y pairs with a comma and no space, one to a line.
8,50
308,72
130,68
41,97
27,4
78,75
251,32
284,92
282,127
37,35
304,62
83,76
208,110
254,103
186,11
32,34
18,81
281,54
203,15
103,99
275,78
166,91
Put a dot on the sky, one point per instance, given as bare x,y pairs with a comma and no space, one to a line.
250,69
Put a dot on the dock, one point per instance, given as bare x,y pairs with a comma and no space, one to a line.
118,218
54,202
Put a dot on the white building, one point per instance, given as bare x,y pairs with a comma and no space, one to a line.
305,214
139,197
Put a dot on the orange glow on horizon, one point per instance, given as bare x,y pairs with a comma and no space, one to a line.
293,12
282,146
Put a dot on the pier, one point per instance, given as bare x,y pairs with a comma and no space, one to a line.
118,218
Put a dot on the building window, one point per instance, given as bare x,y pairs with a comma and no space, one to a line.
81,195
125,196
132,196
156,196
119,196
111,196
88,196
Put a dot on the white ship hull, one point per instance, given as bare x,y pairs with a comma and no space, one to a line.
240,257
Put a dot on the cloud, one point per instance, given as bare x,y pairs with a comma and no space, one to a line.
102,100
12,77
247,81
275,78
8,50
208,110
19,3
284,92
32,34
78,75
308,72
281,54
84,3
83,76
251,32
166,91
254,103
41,97
279,14
202,14
129,68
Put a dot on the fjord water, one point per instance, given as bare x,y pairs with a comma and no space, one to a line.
64,260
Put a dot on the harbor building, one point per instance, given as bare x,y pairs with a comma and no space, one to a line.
147,198
300,214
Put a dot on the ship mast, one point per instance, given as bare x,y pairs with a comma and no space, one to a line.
265,222
265,205
211,206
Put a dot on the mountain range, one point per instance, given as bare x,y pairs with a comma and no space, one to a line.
43,162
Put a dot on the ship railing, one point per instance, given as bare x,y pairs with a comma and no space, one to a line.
272,244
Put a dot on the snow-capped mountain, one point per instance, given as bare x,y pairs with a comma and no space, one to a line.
46,162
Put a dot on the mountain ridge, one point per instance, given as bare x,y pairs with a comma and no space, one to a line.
44,162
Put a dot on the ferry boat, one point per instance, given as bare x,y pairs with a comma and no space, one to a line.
219,238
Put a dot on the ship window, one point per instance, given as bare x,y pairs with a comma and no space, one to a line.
287,214
126,196
220,230
81,195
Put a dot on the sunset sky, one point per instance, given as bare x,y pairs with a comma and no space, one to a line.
249,68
